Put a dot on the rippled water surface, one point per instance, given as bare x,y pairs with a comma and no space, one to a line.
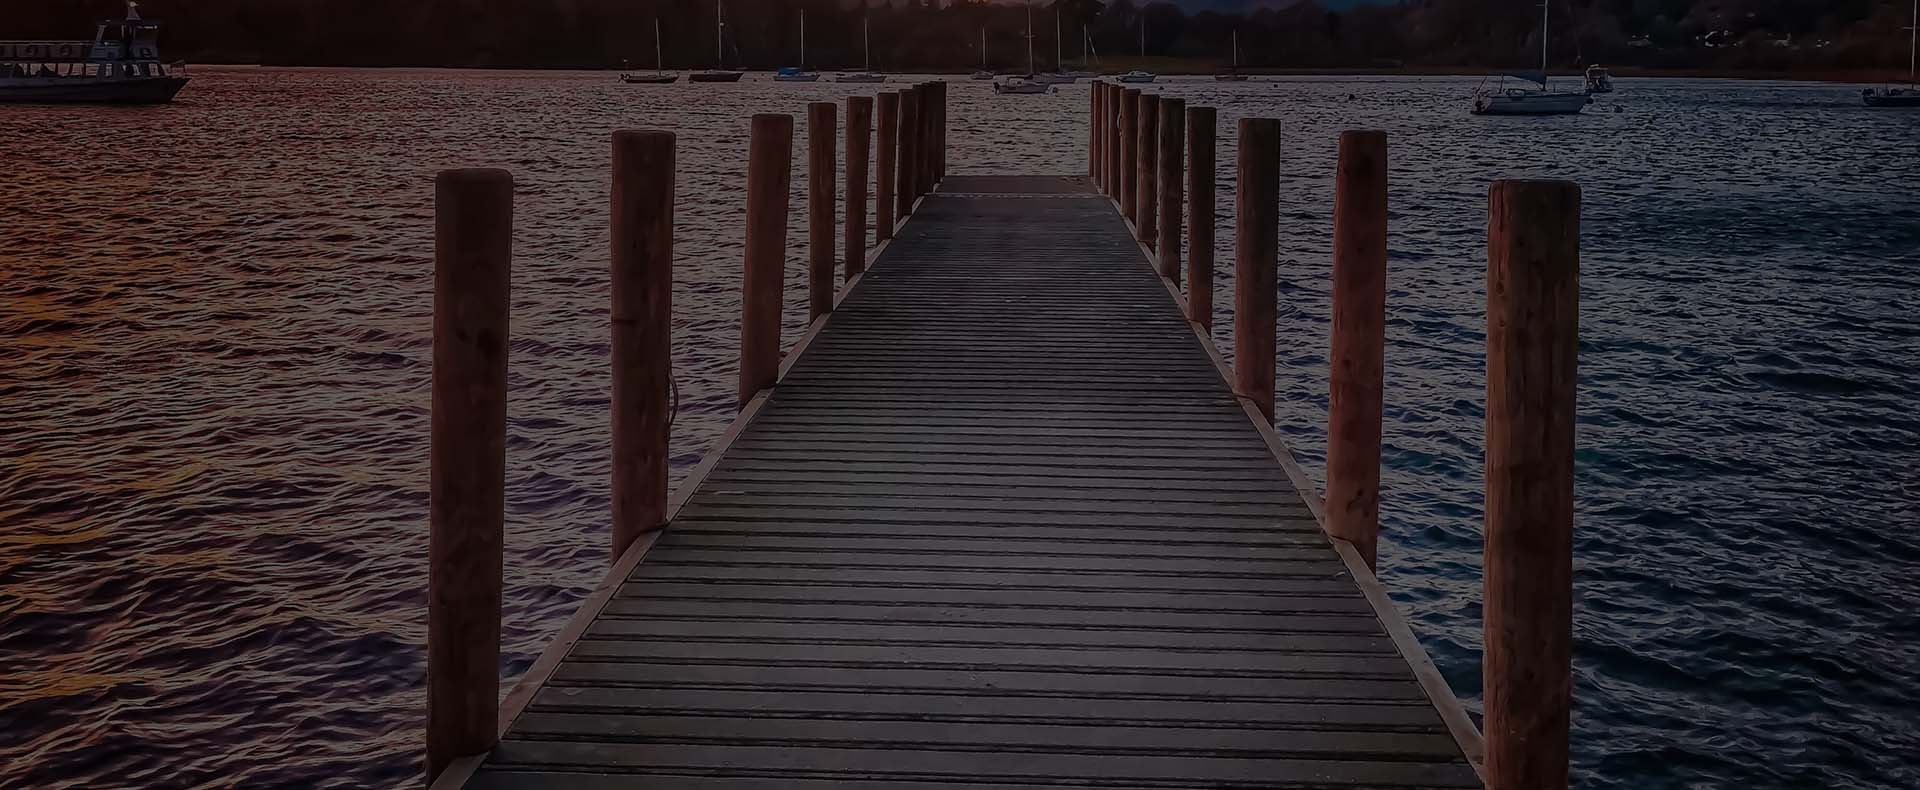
214,357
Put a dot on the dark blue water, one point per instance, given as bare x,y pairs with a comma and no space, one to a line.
214,347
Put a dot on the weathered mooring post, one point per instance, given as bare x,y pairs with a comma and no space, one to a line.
1533,317
859,134
822,132
1094,99
1358,346
473,251
642,285
1146,145
1129,118
769,164
1114,106
1200,216
908,166
1171,147
1256,241
887,138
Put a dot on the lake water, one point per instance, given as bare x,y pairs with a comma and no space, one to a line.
214,367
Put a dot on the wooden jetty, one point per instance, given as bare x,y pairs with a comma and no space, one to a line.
1003,517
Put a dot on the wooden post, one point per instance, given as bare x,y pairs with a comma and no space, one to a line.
859,130
1093,132
1129,104
1171,147
1256,242
769,176
642,213
1115,105
1359,338
1146,207
887,137
822,131
940,134
907,166
1200,216
1533,306
473,249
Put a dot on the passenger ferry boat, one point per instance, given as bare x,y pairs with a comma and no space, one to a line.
120,66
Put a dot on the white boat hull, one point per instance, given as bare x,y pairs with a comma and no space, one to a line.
1136,78
861,78
1530,103
1021,88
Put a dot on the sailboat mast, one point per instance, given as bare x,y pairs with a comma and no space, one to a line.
866,47
1030,37
1913,42
1544,5
1236,49
803,39
1061,65
719,34
659,64
1143,32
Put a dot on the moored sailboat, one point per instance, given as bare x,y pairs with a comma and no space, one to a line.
1233,73
799,73
659,75
1027,84
983,73
718,73
1503,100
866,73
1138,75
1892,95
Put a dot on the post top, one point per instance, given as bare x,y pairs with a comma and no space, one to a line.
474,177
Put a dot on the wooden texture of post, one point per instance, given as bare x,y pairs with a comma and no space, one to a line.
1533,304
1146,207
1114,104
907,164
769,176
822,132
1200,216
940,158
1172,152
642,284
1256,242
886,137
1093,132
473,250
859,134
930,152
1129,103
1358,344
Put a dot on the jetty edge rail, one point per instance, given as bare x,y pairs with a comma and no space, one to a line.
1537,252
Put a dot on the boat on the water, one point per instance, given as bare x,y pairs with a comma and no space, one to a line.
1029,84
1233,72
121,65
1598,80
1059,75
799,73
866,73
720,72
1895,96
659,75
1021,85
1137,75
1504,100
983,73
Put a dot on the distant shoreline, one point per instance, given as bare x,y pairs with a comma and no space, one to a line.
1191,69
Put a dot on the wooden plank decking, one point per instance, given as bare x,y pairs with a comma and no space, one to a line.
1002,524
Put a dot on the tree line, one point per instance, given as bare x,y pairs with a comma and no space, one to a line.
925,34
